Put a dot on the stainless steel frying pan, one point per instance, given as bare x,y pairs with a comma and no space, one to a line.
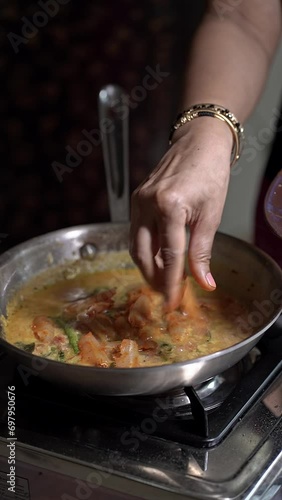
237,266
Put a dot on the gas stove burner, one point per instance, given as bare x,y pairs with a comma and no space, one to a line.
200,416
176,403
212,393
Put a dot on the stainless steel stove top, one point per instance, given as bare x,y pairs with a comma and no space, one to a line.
106,448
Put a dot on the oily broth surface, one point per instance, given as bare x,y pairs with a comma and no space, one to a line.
45,293
50,299
161,340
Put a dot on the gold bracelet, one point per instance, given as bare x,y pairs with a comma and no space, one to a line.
215,111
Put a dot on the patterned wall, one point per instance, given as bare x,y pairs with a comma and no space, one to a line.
55,56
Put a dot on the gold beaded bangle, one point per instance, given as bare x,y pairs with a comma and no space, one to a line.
214,111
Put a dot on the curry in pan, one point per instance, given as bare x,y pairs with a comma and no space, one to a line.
112,318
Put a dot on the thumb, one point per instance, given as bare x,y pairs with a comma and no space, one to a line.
199,252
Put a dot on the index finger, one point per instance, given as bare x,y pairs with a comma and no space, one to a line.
172,239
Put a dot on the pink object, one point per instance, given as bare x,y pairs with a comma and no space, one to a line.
273,204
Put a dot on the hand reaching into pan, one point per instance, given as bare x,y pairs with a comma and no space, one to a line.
188,187
229,60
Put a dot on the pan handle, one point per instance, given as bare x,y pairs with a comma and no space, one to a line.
113,121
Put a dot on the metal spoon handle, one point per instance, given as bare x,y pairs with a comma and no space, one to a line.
113,119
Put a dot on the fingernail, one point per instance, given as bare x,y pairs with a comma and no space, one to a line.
210,280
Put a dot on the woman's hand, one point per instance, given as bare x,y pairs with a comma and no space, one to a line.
188,187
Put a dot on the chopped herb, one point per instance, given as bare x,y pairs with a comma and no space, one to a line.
165,350
70,333
25,347
110,313
51,353
165,346
55,354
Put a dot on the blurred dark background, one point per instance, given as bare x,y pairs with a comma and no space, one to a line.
50,79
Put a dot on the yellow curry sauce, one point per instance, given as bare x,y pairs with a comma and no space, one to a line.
111,318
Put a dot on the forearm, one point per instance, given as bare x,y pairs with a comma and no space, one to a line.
230,56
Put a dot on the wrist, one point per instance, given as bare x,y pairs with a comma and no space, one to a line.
212,132
220,113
